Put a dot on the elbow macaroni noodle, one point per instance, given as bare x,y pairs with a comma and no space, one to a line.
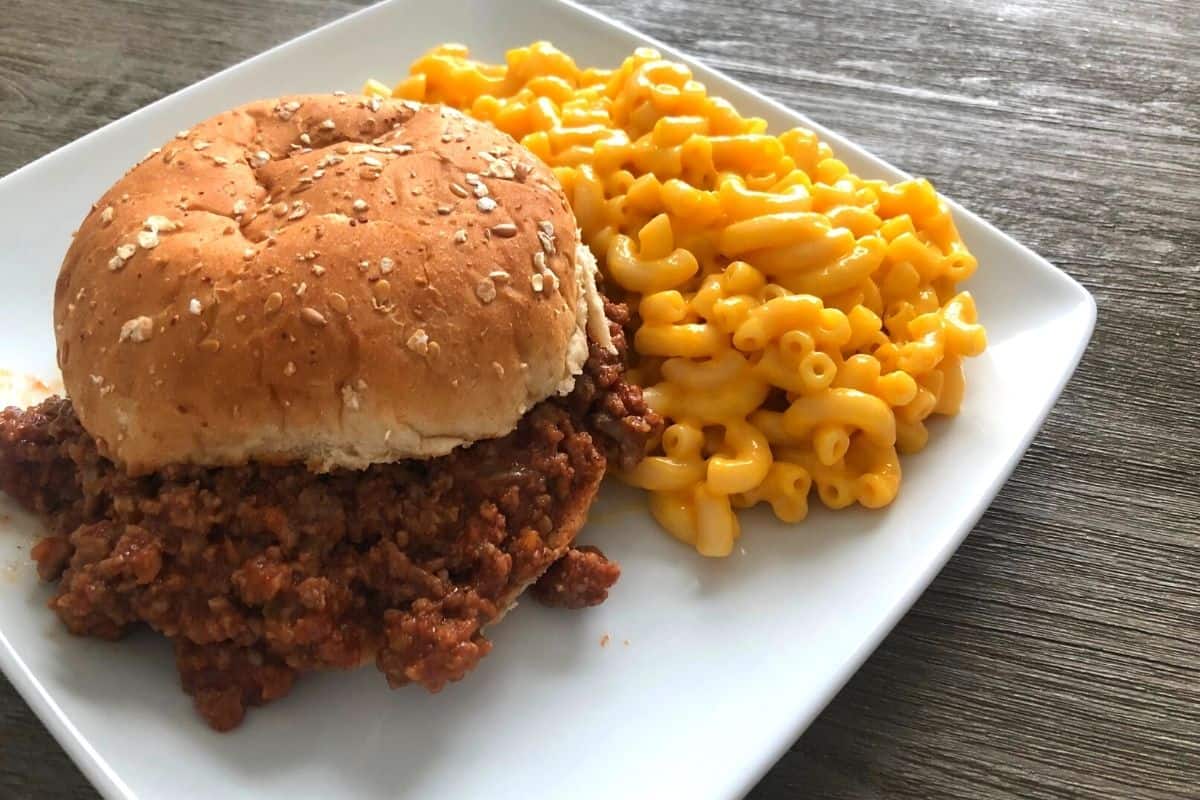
798,324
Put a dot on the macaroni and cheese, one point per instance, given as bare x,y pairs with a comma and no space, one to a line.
797,325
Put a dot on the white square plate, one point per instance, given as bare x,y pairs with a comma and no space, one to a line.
712,668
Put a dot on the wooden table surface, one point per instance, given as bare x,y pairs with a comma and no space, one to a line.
1058,653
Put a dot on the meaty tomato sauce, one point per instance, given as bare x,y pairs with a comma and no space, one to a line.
258,573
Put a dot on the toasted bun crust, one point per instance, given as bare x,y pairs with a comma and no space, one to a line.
334,279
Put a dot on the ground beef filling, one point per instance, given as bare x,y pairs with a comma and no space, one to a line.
579,579
257,573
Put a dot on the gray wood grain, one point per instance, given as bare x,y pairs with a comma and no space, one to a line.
1058,654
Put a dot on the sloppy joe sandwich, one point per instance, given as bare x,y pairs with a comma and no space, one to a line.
340,385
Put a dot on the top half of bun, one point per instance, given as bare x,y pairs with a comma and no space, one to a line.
340,280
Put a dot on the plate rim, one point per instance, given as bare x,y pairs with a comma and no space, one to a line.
1081,314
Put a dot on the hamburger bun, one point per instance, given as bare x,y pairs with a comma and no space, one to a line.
337,280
